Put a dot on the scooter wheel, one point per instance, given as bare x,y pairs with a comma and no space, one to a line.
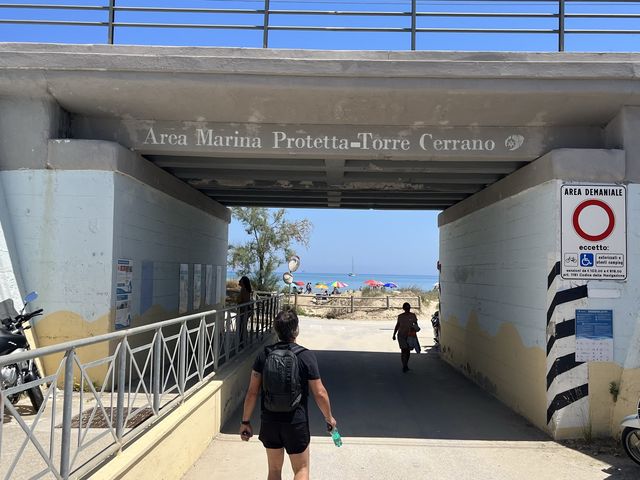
35,394
631,443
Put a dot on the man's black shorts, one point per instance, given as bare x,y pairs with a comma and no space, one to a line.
294,437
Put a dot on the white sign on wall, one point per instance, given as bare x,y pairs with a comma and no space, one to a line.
593,236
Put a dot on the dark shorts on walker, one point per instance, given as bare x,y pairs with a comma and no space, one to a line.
293,437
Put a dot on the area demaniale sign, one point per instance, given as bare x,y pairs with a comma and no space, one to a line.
593,236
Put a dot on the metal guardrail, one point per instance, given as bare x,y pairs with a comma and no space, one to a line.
559,13
95,406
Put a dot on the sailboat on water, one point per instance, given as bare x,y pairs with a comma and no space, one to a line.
352,273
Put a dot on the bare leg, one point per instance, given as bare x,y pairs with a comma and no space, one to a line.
275,457
300,465
404,356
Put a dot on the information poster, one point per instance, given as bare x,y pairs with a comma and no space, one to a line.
594,335
124,289
594,239
219,291
184,288
208,285
197,286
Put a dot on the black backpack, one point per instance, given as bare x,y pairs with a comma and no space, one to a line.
281,380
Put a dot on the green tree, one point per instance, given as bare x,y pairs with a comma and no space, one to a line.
270,238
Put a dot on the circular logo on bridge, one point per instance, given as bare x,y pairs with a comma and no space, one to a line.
593,220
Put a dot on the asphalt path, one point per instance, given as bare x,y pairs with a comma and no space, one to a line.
428,423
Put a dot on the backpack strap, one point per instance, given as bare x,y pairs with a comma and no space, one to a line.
298,349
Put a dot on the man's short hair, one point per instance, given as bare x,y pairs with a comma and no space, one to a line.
406,306
286,325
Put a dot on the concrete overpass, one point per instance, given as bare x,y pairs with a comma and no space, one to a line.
114,153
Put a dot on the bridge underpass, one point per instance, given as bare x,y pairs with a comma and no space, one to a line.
132,154
429,423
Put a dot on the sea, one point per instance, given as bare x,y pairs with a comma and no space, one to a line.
423,282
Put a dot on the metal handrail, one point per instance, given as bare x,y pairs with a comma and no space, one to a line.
560,15
148,371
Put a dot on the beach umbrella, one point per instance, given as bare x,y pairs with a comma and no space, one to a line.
299,283
322,286
339,284
373,283
390,285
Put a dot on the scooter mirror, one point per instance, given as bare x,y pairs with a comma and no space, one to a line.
30,297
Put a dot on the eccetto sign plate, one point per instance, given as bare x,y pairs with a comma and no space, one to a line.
594,232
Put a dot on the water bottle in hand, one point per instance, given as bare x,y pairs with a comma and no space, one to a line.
335,435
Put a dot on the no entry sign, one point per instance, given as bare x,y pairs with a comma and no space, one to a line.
594,239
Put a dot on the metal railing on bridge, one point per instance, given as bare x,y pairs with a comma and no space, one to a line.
414,19
101,392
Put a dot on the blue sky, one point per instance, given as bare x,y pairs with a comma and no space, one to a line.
379,241
385,242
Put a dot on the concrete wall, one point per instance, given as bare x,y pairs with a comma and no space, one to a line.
95,204
493,296
508,316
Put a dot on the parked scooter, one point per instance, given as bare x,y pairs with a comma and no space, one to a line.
12,341
631,436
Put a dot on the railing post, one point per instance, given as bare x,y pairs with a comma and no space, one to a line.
351,303
387,302
112,19
67,414
413,23
265,25
561,19
202,345
227,336
182,361
217,332
419,303
157,365
122,383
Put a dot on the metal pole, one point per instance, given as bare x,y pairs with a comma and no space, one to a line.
157,366
413,24
112,19
265,25
227,336
216,341
122,372
67,413
561,18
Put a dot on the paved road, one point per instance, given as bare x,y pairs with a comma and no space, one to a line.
430,423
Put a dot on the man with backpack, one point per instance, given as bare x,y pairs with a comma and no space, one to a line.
285,373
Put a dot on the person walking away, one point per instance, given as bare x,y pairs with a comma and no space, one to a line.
244,311
435,323
406,327
285,373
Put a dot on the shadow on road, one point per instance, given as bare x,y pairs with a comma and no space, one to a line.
371,397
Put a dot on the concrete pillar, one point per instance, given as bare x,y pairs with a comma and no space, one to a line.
622,133
95,205
26,125
508,318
